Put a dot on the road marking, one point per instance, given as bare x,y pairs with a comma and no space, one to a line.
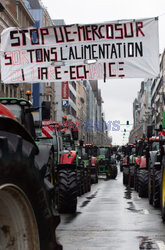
161,245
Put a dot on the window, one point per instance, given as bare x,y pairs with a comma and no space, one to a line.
6,90
11,91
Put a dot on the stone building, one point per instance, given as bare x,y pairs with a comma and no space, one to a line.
158,94
141,111
42,92
81,104
14,14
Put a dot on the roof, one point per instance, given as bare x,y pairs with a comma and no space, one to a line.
34,4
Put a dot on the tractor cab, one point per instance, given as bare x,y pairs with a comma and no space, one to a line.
22,110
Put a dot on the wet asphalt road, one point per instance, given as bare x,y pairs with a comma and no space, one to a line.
112,217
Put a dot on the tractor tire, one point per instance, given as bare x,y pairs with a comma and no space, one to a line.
125,179
79,181
94,178
143,183
131,178
136,179
67,191
125,176
114,172
156,189
23,199
162,191
88,181
82,181
150,186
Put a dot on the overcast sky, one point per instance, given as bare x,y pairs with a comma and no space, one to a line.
118,95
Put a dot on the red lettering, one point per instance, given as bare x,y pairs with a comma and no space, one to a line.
139,26
8,57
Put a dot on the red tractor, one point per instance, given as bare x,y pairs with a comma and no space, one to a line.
24,194
65,169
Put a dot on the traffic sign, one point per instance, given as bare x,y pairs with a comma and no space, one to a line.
65,103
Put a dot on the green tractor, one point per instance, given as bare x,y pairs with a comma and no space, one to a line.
106,161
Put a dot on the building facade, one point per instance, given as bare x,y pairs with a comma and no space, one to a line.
14,14
141,112
158,95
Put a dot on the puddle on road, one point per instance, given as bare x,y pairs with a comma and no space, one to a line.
146,243
88,199
85,203
133,209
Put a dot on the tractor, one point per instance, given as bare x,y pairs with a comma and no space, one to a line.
128,164
141,168
106,161
87,166
91,151
154,170
26,194
65,170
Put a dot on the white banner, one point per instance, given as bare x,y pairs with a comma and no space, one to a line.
118,49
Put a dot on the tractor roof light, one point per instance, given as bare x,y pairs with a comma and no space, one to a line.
28,92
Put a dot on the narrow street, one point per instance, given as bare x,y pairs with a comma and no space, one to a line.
112,217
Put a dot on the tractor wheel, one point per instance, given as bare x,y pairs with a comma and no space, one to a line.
131,180
150,186
163,189
125,176
82,181
67,191
113,172
94,178
143,183
88,181
24,206
125,179
97,178
79,182
156,189
136,179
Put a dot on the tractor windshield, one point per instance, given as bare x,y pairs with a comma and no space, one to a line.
15,109
103,151
133,151
155,146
